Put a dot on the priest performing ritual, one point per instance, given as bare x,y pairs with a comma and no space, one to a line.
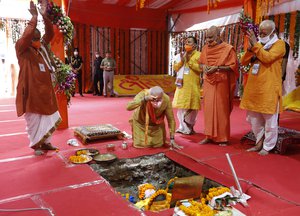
151,106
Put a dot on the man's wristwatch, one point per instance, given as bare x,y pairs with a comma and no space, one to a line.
218,68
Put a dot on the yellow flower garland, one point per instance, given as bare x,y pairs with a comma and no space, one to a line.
157,193
143,188
196,209
212,192
170,182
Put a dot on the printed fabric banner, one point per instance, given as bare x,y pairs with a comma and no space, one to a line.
130,85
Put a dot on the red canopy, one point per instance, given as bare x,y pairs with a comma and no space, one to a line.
123,13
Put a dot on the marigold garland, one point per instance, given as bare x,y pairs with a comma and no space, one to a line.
212,3
216,191
262,8
281,23
196,209
143,188
170,182
277,21
156,194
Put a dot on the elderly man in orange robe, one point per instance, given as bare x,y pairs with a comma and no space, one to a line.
35,95
219,64
263,91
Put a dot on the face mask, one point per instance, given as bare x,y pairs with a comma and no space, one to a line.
97,56
75,53
212,43
266,39
156,104
188,48
36,44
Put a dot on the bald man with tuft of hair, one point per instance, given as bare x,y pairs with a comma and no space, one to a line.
151,106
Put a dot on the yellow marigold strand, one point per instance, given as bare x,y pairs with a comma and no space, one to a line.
157,193
170,182
196,209
216,192
143,188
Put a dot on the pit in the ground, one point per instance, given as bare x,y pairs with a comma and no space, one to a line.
125,175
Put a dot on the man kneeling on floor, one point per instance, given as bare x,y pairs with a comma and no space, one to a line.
148,128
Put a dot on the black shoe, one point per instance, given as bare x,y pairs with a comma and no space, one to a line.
95,94
105,95
81,95
99,94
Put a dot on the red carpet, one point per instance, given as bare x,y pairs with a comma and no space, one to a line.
52,182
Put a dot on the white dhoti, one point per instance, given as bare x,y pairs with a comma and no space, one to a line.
187,119
264,125
40,127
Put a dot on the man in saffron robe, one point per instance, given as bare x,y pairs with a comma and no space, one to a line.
262,96
35,94
151,106
219,64
187,97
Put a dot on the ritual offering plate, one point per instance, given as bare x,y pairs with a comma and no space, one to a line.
87,151
96,132
105,157
80,159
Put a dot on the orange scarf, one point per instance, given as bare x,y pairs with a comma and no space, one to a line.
150,112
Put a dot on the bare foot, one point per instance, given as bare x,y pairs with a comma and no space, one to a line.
39,152
263,152
205,141
48,146
223,143
257,147
253,149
